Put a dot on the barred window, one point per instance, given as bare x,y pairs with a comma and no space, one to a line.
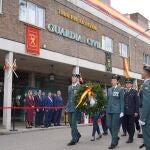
146,59
107,44
0,6
31,13
123,50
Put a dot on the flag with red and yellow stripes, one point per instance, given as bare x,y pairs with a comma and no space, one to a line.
126,67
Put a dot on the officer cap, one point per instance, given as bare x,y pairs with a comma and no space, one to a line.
146,68
129,80
116,77
76,75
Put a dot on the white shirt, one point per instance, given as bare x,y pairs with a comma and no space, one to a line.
50,98
115,86
75,84
128,89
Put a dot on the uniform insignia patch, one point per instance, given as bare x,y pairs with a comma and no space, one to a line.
115,93
146,88
75,91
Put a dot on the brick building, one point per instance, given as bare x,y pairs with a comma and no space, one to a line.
76,35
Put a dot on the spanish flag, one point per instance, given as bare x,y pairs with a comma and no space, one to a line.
126,67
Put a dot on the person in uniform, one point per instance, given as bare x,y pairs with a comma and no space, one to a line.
145,112
72,110
131,109
115,110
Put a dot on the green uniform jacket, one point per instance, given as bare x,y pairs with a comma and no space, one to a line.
115,99
145,114
146,102
71,98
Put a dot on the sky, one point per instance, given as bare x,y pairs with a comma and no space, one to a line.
132,6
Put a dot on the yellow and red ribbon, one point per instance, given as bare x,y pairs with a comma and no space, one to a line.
88,91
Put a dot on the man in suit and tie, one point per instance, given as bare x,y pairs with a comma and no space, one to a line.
38,111
55,113
115,110
60,104
131,109
48,111
145,112
72,111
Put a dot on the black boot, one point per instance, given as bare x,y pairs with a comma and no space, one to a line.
71,143
141,146
130,140
112,146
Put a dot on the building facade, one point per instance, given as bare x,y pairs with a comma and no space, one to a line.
50,39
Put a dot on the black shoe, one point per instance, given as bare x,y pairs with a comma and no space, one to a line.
112,146
140,135
93,139
141,146
105,133
129,141
99,137
117,141
124,134
79,137
71,143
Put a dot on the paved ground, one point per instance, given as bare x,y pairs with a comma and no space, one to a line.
56,139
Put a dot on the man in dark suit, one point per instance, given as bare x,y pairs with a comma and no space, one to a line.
48,103
55,113
115,110
38,111
60,104
145,112
131,109
72,111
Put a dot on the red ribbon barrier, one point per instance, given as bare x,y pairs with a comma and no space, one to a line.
27,108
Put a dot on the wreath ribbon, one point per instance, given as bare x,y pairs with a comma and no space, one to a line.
87,91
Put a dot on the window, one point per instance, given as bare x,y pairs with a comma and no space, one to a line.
31,13
107,44
0,6
123,49
146,59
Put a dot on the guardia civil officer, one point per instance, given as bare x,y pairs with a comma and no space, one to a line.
72,111
115,110
131,109
145,113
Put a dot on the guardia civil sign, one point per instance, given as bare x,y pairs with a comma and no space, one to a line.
73,36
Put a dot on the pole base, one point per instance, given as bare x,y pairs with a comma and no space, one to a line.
13,130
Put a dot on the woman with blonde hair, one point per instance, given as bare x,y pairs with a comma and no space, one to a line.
29,109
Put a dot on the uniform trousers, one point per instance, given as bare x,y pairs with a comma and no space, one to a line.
113,124
72,118
128,121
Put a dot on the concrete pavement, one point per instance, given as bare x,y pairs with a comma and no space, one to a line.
57,139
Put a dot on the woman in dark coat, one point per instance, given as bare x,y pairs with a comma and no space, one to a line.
30,109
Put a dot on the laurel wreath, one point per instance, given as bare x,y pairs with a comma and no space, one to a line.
98,95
